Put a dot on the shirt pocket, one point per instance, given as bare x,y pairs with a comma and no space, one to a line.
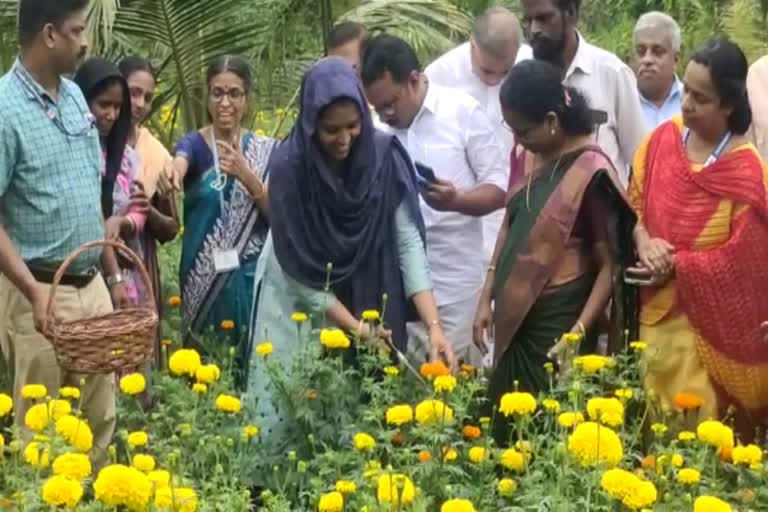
449,161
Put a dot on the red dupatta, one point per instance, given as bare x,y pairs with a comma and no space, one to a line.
722,290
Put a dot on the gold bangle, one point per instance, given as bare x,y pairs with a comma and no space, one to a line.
431,325
581,327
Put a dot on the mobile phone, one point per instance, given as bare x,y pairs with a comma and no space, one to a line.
632,276
426,173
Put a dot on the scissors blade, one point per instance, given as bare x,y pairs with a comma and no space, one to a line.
404,361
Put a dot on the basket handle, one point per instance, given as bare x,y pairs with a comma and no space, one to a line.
119,246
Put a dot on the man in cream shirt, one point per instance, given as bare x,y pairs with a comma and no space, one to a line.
478,68
609,84
448,131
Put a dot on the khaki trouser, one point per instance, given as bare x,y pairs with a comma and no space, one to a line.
30,358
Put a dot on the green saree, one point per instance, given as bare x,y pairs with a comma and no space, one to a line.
529,315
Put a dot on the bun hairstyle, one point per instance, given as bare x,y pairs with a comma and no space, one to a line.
728,69
533,89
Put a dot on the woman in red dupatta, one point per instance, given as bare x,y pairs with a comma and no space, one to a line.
699,189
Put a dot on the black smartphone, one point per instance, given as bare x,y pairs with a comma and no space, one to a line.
426,173
637,278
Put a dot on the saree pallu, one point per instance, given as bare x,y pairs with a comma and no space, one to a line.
716,217
220,220
529,316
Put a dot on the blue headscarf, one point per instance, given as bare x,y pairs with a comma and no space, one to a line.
347,218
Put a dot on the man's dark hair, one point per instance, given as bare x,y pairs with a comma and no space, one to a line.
569,5
388,53
35,14
133,64
345,32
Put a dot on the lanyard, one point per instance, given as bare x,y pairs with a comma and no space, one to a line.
221,179
717,152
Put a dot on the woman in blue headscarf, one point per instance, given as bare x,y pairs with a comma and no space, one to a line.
345,213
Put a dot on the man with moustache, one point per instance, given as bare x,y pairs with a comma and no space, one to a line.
656,42
608,83
50,190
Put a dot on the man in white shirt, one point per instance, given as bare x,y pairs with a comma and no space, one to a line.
608,83
478,67
448,131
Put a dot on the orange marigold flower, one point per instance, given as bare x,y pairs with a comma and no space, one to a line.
648,462
432,370
227,325
174,301
468,368
424,456
471,432
688,401
725,453
311,394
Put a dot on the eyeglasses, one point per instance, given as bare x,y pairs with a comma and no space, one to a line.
234,95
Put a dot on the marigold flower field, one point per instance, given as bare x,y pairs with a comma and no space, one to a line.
361,433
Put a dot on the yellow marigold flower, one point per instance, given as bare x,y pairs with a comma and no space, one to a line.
39,416
592,444
710,504
477,454
331,502
450,455
399,415
512,460
571,338
144,462
250,431
118,485
570,419
638,346
69,392
643,494
34,392
688,476
174,301
457,505
444,383
430,412
138,439
76,466
6,405
624,393
748,455
200,389
371,315
76,433
677,460
159,478
364,442
659,429
391,371
395,489
715,433
299,317
608,411
346,487
179,499
551,405
372,469
264,349
617,482
133,384
334,339
208,374
228,403
37,455
517,403
506,487
184,362
592,363
60,491
686,435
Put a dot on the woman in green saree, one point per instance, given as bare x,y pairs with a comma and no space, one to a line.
565,236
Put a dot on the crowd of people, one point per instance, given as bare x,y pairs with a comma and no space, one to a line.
525,185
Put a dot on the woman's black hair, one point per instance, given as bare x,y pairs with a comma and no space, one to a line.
134,64
533,88
728,68
230,64
93,78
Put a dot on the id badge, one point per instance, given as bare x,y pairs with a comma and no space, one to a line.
225,260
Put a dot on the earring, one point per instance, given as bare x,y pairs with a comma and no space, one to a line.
552,131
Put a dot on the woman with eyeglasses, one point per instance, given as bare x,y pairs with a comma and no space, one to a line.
223,170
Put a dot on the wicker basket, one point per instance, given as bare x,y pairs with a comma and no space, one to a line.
120,340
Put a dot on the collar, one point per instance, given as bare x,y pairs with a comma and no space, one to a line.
676,90
430,100
32,88
583,59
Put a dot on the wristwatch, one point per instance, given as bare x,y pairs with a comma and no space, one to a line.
115,279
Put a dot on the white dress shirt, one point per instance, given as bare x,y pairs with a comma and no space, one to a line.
452,135
454,69
610,86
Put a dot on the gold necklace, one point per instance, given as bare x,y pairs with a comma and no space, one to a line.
530,180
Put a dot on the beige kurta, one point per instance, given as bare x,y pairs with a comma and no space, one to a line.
757,87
